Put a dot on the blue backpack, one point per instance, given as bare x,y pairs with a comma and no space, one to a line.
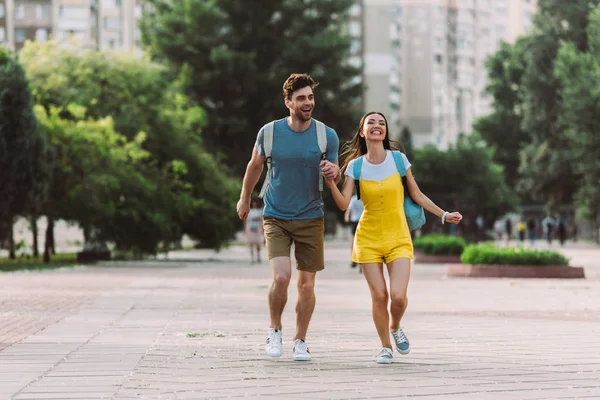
415,215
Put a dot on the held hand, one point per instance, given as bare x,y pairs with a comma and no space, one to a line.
454,218
329,169
330,183
243,208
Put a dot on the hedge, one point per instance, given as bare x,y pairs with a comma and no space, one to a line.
437,244
486,254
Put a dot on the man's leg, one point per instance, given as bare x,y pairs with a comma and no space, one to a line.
278,249
306,302
308,236
278,292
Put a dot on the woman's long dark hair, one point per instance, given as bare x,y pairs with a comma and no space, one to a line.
357,147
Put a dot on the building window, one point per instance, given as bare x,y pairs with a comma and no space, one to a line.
2,34
1,10
438,59
355,10
20,35
20,11
41,35
355,29
42,11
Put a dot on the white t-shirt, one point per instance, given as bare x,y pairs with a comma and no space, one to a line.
356,208
377,172
254,219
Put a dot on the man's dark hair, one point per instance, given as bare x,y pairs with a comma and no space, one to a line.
295,82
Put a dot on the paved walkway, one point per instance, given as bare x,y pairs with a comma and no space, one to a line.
195,328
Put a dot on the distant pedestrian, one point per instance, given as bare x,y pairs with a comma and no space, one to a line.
352,216
521,227
531,230
254,230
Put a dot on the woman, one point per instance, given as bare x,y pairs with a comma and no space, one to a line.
383,235
254,229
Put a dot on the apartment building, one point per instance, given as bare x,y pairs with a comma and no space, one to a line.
381,65
425,60
101,24
24,20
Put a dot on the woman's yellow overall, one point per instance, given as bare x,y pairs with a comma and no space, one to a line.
382,234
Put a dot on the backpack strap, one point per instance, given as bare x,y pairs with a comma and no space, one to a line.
399,163
267,147
322,141
398,159
356,169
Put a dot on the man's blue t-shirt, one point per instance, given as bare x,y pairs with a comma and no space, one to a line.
293,192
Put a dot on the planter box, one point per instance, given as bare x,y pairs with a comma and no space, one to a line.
422,258
515,271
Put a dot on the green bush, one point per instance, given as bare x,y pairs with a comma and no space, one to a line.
488,254
438,245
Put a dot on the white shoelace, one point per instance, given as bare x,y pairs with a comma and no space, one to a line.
400,336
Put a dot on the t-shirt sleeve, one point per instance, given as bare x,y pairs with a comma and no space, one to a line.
407,163
350,169
333,145
259,142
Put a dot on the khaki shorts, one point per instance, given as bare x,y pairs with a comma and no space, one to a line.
307,236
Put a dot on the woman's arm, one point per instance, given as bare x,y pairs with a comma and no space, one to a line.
342,199
426,203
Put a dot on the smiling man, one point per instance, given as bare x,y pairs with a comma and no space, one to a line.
299,151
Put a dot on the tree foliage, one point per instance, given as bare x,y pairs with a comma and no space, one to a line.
502,129
237,57
578,73
464,178
142,177
23,151
547,166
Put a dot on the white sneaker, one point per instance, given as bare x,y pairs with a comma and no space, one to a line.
301,352
274,346
385,356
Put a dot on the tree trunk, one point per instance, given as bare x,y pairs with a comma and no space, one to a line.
34,232
49,239
52,241
11,241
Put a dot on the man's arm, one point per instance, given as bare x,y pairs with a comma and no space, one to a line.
251,177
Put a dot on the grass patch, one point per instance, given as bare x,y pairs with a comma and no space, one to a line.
31,263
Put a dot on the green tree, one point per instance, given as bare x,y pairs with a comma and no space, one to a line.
546,166
578,73
464,178
237,57
502,129
22,148
192,191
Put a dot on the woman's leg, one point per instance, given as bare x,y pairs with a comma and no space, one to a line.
252,252
374,275
399,271
258,253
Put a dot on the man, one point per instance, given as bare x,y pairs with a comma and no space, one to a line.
293,210
352,216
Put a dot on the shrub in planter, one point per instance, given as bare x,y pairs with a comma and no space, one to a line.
487,254
440,245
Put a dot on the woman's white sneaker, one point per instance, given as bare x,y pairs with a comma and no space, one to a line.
385,356
301,352
274,346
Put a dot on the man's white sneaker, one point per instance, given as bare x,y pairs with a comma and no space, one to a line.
301,352
274,346
385,356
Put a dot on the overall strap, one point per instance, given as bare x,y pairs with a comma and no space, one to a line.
356,170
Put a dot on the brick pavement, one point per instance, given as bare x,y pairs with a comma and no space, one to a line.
121,332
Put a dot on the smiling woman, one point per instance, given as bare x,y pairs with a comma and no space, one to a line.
376,169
